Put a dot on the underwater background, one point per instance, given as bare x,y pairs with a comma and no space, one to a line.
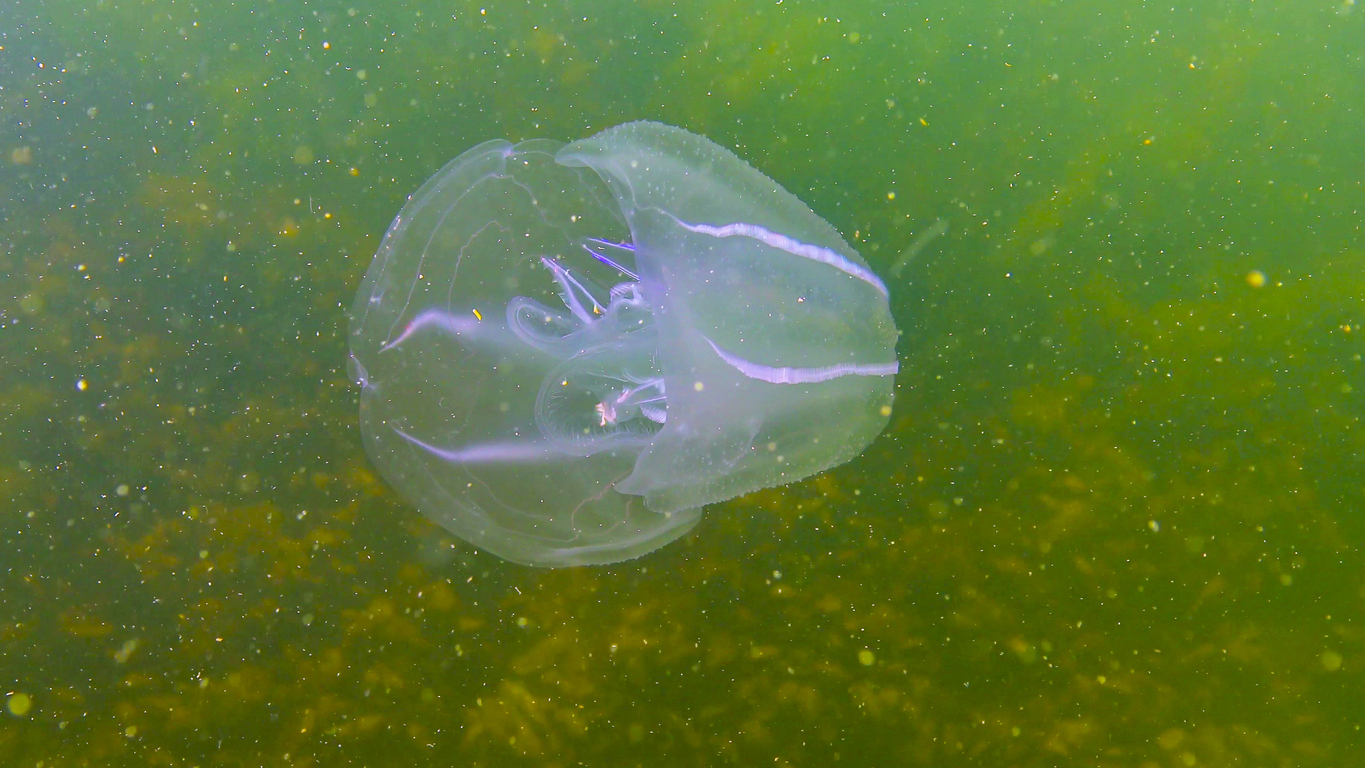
1116,518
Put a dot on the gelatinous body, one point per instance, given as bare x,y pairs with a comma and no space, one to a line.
566,351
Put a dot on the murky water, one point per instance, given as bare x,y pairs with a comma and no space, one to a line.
1115,520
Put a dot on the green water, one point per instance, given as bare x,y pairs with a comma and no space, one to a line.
1116,519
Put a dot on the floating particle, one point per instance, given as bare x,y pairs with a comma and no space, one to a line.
20,704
